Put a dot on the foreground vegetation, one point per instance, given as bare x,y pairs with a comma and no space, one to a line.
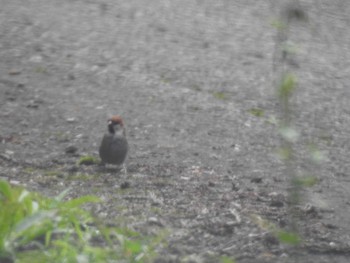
34,228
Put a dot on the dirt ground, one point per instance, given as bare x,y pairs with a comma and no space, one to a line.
186,76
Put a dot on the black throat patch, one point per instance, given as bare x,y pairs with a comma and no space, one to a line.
111,128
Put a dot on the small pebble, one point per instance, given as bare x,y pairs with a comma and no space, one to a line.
71,76
125,185
14,72
211,183
70,120
32,105
257,180
71,149
73,169
276,203
332,244
36,59
154,221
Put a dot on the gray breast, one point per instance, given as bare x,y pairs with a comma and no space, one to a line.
113,149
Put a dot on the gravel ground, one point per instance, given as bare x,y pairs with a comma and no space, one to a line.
186,76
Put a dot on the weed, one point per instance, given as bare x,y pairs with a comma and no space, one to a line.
52,173
88,160
51,229
220,95
256,112
225,259
286,87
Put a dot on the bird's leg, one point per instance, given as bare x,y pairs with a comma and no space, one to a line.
125,169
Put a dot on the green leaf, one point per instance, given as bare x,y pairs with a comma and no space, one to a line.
35,219
5,190
288,237
272,120
132,247
62,195
31,256
87,160
23,195
289,134
285,153
256,112
278,24
226,259
290,48
287,86
307,181
221,95
317,155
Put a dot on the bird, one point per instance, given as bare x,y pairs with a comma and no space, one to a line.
114,145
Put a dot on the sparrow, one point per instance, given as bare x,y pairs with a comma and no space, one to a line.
114,145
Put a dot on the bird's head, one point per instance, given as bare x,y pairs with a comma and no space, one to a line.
115,124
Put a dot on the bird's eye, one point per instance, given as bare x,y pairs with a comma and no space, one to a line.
113,123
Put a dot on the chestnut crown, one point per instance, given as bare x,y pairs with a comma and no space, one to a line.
116,119
115,123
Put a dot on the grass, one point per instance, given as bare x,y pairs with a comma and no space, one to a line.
88,160
32,170
34,228
256,112
225,259
220,95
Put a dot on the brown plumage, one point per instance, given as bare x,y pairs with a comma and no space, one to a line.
114,146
